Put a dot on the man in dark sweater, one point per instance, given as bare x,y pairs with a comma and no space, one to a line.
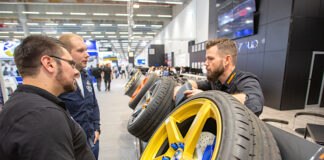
96,72
222,75
34,123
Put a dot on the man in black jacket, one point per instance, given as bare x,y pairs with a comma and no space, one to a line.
34,123
96,72
222,75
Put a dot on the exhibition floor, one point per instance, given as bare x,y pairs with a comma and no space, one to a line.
116,143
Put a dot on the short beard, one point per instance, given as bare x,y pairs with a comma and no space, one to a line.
66,88
215,74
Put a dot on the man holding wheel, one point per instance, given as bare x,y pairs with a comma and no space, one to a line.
221,55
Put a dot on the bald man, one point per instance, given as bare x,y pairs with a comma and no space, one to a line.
82,103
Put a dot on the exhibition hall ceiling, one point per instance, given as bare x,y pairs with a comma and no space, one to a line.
127,25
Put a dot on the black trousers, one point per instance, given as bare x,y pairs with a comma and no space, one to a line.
107,84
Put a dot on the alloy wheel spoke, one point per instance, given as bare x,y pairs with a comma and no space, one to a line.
196,127
174,134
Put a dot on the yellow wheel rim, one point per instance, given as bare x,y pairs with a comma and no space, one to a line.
129,83
203,109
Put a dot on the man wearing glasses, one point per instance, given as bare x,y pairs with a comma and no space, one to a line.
34,123
82,104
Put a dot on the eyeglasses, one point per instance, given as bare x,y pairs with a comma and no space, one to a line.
71,62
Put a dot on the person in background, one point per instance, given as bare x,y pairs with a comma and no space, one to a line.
96,72
221,55
5,71
12,72
182,70
108,76
123,71
34,122
82,104
116,72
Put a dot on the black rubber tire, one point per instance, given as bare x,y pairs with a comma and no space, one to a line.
244,135
144,124
153,78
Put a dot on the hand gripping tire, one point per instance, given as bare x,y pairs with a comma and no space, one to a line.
154,106
141,89
234,132
133,83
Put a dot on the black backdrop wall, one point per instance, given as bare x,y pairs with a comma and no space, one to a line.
280,52
156,55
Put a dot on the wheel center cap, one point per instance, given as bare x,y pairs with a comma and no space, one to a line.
177,155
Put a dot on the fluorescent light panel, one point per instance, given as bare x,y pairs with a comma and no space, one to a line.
122,25
105,24
35,32
110,32
18,32
99,36
6,12
168,2
51,24
10,23
112,36
143,15
25,12
78,13
81,32
4,32
156,25
100,14
69,24
54,32
165,16
121,14
123,32
95,32
32,24
54,13
88,24
66,32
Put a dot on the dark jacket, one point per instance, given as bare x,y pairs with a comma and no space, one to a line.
240,82
107,73
96,72
84,110
35,125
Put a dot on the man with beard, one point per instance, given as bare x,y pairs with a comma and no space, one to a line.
222,75
82,104
34,123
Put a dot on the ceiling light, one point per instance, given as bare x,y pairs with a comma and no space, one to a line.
143,15
123,32
32,24
137,36
35,32
122,25
120,14
88,24
95,32
6,12
165,16
112,36
123,36
156,25
18,32
4,36
105,24
54,13
168,2
86,36
4,32
113,40
24,12
51,24
103,40
78,14
10,23
139,25
110,32
147,1
69,24
148,36
150,33
100,14
66,32
137,32
54,32
81,32
19,36
136,5
99,36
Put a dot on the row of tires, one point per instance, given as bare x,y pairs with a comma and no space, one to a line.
209,125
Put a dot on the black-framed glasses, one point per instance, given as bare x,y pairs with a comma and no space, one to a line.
71,62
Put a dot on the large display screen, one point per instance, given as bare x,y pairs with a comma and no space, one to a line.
236,19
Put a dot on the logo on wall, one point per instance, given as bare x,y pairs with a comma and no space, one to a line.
7,49
249,45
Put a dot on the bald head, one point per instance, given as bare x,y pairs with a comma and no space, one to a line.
67,40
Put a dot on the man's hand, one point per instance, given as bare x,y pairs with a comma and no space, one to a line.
240,97
96,137
190,93
175,91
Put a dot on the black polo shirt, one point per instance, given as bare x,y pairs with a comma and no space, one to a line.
35,125
239,82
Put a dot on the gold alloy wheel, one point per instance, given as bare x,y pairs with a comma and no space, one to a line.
129,83
138,89
179,146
